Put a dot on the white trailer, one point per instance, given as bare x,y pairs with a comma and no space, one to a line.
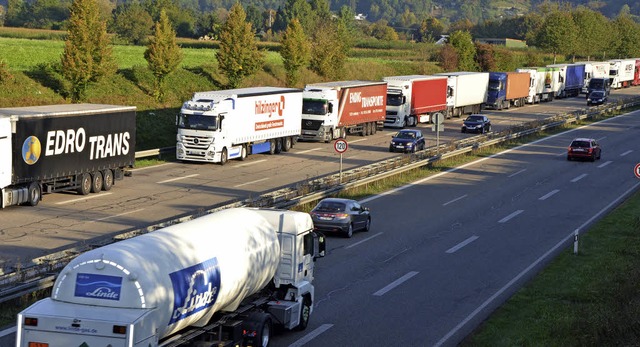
220,125
621,72
594,69
544,83
466,92
234,275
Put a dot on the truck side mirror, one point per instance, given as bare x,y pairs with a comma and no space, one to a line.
319,244
330,108
404,100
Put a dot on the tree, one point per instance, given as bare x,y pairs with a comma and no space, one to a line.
87,53
430,30
238,55
298,9
3,13
592,32
382,31
329,48
485,57
627,34
295,51
558,34
448,58
132,23
462,42
163,54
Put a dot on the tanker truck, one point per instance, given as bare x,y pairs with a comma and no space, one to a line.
68,147
219,125
228,278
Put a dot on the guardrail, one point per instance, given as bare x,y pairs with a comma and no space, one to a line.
35,276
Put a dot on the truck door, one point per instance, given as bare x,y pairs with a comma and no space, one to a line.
5,152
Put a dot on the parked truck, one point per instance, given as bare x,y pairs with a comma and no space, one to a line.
621,72
507,89
332,110
69,147
216,126
466,92
414,99
543,83
570,79
593,69
227,278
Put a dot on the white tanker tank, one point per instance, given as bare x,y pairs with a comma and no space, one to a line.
136,292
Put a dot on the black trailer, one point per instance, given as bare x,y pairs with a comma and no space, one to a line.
81,147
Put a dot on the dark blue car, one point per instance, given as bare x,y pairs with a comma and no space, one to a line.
407,140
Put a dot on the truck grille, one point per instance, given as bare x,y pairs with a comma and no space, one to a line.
392,113
197,142
311,124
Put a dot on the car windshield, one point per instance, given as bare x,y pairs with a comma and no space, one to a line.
406,135
474,119
330,206
597,94
580,144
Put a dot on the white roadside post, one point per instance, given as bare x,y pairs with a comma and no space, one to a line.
438,119
340,146
575,242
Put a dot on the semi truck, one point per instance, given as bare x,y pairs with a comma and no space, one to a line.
414,99
621,72
543,83
331,110
466,92
593,69
228,279
507,89
216,126
68,147
570,79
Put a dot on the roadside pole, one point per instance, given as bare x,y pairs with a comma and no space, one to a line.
340,146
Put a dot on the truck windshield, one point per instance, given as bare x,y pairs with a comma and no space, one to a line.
394,99
494,85
314,107
198,122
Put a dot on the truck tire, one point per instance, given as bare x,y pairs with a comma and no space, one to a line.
343,133
412,121
35,194
257,329
305,314
272,147
96,182
278,146
287,144
85,184
107,179
224,156
243,153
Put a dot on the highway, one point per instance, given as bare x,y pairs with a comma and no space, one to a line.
444,252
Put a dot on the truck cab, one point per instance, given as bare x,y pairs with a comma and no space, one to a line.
497,93
319,117
397,107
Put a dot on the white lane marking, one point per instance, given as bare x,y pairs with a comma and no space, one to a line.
309,150
312,335
462,244
395,283
8,331
116,215
507,218
252,182
604,164
178,178
252,163
86,197
563,153
602,138
149,167
625,153
578,178
454,200
548,195
354,141
561,243
362,241
517,173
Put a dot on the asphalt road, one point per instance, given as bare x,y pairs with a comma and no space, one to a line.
444,252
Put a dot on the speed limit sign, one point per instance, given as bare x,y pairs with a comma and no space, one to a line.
636,170
340,146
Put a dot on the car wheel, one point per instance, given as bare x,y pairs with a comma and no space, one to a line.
349,233
390,149
593,157
463,130
489,128
599,155
367,225
568,158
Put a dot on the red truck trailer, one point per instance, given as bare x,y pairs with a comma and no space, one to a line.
331,110
414,99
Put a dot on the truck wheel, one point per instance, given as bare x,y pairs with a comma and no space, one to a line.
257,329
35,193
278,146
96,182
375,128
287,144
272,147
85,184
305,314
224,156
107,179
243,153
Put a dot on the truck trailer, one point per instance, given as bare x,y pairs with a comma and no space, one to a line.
636,73
466,92
593,69
227,278
332,110
570,79
507,89
54,148
216,126
414,99
621,72
543,83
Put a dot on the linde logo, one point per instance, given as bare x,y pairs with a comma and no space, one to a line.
270,107
96,286
103,293
195,289
75,141
367,101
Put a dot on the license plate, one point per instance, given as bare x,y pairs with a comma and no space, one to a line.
399,146
307,133
326,218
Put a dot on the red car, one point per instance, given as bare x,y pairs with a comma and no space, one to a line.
583,148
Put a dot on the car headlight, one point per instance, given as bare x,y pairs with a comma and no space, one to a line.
409,144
